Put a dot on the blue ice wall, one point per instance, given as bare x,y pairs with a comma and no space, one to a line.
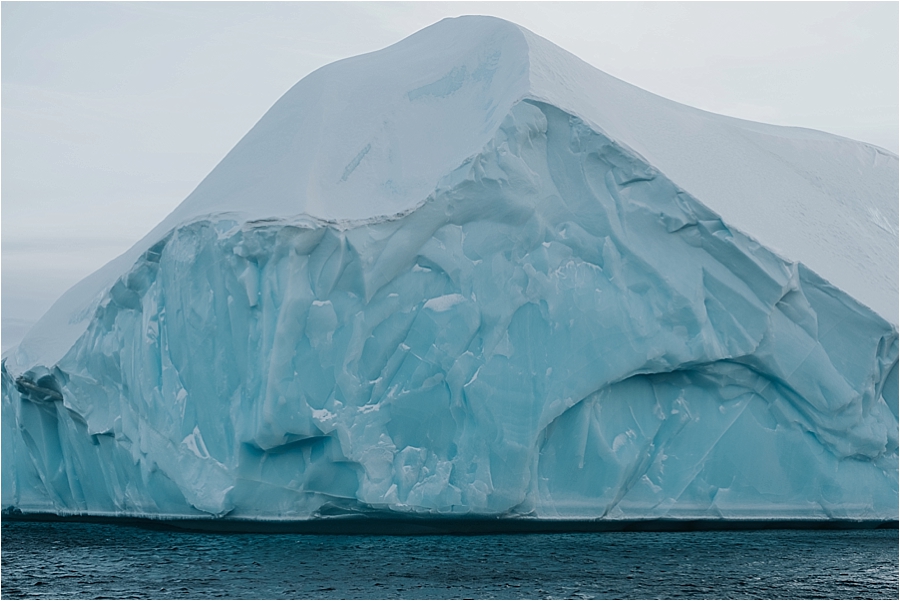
558,331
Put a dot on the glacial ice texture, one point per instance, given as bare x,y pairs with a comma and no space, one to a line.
558,331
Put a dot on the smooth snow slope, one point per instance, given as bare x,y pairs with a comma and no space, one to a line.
448,282
358,140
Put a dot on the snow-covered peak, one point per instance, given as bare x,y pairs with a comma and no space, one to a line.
372,136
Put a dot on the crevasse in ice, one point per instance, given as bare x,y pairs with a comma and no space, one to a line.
470,275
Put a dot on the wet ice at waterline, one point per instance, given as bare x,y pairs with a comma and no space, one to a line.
471,275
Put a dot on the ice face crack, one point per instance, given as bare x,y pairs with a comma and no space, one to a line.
355,162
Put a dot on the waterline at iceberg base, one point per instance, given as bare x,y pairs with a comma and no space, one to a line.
557,334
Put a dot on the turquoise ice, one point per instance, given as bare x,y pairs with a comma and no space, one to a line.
543,317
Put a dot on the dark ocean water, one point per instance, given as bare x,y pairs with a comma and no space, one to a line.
79,560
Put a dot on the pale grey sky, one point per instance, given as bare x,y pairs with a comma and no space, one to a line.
113,112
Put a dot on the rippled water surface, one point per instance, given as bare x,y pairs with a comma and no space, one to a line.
77,560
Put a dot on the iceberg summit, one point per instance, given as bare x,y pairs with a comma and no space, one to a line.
470,276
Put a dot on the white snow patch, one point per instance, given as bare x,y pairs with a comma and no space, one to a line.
443,303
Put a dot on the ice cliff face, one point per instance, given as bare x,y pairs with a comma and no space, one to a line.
532,306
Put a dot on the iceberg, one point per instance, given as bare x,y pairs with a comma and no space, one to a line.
470,275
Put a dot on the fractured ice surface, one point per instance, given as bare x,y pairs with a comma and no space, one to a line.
536,305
